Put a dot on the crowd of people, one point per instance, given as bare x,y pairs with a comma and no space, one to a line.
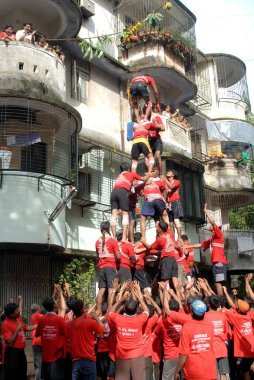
30,36
154,317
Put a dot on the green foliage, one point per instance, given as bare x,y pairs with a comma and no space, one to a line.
94,47
242,218
239,279
80,274
153,20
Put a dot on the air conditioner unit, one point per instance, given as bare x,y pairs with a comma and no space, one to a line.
92,160
87,8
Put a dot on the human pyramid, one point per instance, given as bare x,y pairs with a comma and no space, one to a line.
154,318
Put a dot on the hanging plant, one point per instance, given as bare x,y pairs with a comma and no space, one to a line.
167,5
93,49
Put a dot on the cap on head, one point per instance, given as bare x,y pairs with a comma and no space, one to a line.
243,306
198,308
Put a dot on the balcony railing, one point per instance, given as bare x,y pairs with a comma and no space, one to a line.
176,138
33,71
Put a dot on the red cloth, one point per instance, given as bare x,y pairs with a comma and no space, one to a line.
182,260
8,328
107,258
147,338
52,330
220,329
170,336
218,255
82,332
166,245
141,257
149,81
143,129
179,317
153,190
129,334
112,340
125,179
196,342
242,334
34,321
173,194
154,132
127,254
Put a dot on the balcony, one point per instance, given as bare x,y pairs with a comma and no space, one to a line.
53,18
230,183
167,51
29,70
176,139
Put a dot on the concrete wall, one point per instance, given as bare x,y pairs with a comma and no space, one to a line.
27,70
238,261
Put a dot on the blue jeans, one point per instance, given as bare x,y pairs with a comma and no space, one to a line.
83,369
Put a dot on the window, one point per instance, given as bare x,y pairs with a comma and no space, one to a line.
79,84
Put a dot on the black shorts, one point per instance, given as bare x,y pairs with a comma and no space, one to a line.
154,208
156,144
102,364
175,211
124,274
139,89
119,199
219,272
140,147
53,370
141,277
169,268
106,277
245,364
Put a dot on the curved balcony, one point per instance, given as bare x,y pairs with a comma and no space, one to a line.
230,95
230,184
53,18
26,200
29,70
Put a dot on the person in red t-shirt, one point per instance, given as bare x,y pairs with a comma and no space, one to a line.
219,260
242,322
155,140
36,342
127,258
140,274
82,331
174,206
166,247
133,198
130,361
221,330
139,89
140,144
119,197
13,332
108,253
197,356
52,330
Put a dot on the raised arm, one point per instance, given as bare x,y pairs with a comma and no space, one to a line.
209,217
248,289
149,298
228,298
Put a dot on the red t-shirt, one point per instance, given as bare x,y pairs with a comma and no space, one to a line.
112,340
153,190
8,328
154,132
107,255
127,255
216,243
82,332
173,195
52,330
183,261
129,334
140,263
34,321
149,81
143,129
196,342
125,179
242,334
148,328
164,244
170,336
220,329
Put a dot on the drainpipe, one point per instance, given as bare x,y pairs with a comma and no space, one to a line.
122,130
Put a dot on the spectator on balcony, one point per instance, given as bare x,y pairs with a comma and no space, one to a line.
184,123
58,52
8,34
139,89
167,112
219,260
26,34
42,43
175,115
